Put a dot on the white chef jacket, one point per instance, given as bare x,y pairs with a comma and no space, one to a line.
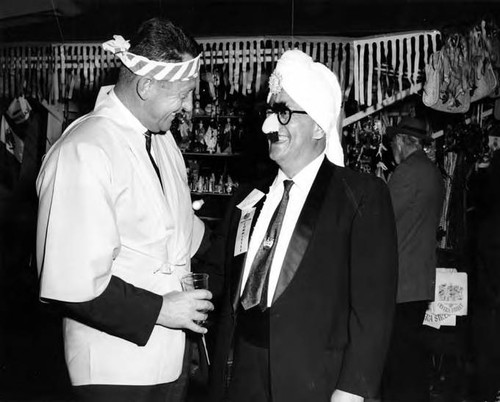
298,193
102,212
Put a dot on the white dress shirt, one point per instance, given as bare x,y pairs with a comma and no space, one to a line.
298,194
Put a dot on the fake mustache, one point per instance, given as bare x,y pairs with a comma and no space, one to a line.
273,136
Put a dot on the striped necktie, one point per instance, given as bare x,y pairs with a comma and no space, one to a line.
255,291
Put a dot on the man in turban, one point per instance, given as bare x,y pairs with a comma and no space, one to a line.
116,230
309,261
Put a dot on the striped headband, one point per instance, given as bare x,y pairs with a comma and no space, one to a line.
140,65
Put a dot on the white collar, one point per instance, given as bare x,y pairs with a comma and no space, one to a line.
124,114
305,178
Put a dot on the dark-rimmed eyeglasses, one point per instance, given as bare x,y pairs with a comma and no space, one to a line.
283,112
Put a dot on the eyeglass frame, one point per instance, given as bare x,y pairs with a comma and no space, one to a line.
281,108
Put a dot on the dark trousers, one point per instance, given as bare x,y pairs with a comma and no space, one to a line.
408,364
486,334
171,392
250,379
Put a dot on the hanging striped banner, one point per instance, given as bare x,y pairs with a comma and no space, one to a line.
376,68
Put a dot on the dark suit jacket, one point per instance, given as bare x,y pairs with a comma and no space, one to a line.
331,319
417,192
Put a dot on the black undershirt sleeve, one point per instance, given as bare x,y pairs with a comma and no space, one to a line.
122,310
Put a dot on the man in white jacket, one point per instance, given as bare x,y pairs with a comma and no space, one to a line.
116,229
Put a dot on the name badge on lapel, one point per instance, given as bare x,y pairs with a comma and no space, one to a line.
247,207
250,200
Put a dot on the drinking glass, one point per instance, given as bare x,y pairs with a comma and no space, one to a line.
192,281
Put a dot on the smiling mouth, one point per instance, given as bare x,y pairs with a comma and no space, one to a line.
273,136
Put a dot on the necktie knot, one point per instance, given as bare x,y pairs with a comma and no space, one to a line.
288,185
147,135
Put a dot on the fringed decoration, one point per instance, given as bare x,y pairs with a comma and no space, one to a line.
416,63
250,80
237,66
369,86
409,65
376,68
379,70
231,66
259,60
361,70
244,68
401,60
357,65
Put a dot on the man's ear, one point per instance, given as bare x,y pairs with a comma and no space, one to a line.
318,132
399,140
144,87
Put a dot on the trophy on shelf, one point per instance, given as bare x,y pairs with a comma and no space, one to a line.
197,110
198,141
210,139
184,132
226,137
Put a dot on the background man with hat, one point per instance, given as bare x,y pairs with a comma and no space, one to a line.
309,259
417,192
116,229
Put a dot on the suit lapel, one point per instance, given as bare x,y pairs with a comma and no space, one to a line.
304,228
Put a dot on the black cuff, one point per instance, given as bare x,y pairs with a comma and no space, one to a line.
122,310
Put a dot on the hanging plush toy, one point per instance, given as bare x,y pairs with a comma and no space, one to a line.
19,110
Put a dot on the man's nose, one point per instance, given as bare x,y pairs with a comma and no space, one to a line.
187,104
271,124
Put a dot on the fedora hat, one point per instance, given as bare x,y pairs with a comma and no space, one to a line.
409,126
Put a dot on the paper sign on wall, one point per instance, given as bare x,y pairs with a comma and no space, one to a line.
450,298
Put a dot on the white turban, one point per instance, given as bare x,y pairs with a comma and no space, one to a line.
316,89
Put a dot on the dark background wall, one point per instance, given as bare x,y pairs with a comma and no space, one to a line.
68,20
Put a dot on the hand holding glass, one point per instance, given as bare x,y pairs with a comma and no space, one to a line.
194,281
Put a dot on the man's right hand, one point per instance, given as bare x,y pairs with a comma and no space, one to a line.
181,310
